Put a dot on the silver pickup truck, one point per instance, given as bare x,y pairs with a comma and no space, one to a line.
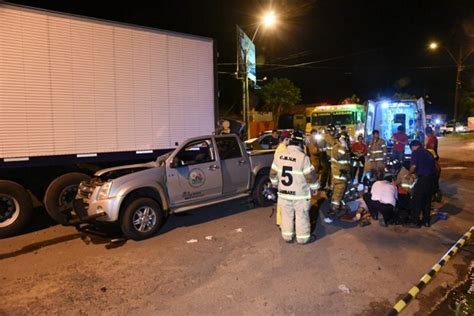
202,171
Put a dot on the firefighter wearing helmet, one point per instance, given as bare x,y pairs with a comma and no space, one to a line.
341,172
296,180
329,142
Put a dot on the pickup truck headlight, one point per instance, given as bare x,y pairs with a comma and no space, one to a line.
104,191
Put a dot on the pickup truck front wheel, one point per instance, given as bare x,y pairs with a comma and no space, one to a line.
261,184
142,218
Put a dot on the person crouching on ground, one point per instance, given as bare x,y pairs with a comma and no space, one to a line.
382,198
423,165
296,180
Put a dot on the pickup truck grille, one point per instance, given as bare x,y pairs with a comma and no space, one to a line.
86,188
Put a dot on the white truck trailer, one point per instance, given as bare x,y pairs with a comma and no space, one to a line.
78,94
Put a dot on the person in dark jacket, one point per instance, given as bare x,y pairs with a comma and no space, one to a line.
423,165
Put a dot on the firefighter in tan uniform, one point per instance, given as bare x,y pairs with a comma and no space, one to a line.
341,172
329,141
377,154
295,178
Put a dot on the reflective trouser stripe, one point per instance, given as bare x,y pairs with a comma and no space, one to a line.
314,186
378,159
274,181
294,197
288,234
339,178
341,151
335,203
376,151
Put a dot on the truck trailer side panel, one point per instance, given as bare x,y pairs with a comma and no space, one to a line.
71,85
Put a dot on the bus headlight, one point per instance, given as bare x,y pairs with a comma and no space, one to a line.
104,191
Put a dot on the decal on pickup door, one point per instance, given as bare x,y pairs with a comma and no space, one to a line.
191,195
196,178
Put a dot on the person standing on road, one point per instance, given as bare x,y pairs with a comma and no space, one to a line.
296,180
431,141
313,151
359,149
400,140
341,172
285,140
423,165
329,141
377,154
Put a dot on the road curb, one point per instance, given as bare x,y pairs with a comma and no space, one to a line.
401,304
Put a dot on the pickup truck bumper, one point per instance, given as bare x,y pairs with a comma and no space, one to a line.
81,210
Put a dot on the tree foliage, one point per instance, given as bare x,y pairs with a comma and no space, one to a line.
279,94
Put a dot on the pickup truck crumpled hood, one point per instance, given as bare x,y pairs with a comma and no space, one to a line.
116,172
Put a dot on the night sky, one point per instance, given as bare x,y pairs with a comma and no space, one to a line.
367,48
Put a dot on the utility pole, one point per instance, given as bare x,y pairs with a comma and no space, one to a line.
457,90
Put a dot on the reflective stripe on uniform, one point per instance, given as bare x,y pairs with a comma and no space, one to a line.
341,151
274,181
294,197
287,234
335,203
308,170
275,167
376,151
339,177
314,186
384,146
303,236
379,159
342,162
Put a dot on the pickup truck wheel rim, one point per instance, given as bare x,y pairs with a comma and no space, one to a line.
266,185
9,210
144,219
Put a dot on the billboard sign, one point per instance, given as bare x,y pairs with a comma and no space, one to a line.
246,56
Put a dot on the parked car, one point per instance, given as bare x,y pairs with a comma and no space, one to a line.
202,171
449,128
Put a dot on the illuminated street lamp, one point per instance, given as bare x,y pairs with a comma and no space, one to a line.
269,19
459,62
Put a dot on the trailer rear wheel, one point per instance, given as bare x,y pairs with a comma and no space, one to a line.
16,209
61,193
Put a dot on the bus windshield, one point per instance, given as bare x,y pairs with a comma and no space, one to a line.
343,118
321,119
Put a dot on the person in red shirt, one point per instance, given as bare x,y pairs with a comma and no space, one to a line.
359,149
400,139
431,141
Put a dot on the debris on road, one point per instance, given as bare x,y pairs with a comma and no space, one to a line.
239,230
192,241
344,289
208,237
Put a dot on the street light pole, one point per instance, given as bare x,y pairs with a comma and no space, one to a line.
459,62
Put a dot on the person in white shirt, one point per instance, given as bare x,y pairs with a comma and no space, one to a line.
382,198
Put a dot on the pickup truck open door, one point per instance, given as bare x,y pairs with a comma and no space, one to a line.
235,164
194,173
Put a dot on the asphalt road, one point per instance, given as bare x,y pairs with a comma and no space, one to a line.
243,267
